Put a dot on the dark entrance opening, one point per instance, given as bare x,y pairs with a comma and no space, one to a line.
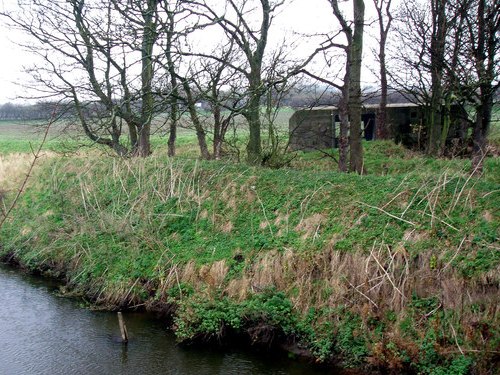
368,126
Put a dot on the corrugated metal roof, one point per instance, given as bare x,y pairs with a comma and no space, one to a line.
366,106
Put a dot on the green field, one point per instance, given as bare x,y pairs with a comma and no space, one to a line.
381,157
66,137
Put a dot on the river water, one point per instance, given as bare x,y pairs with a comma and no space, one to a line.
43,333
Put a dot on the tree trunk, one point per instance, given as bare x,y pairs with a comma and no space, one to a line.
200,132
383,129
132,130
174,95
446,121
438,40
435,117
252,114
147,108
144,145
172,136
217,146
174,114
480,131
356,52
344,134
485,56
350,104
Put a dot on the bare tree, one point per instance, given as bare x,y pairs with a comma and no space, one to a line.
429,55
453,49
383,8
174,13
190,101
349,107
188,87
437,60
143,19
422,33
102,65
356,52
252,42
483,24
221,89
350,103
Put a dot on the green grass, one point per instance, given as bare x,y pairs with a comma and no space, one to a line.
26,136
136,196
386,158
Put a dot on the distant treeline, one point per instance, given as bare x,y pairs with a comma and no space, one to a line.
296,98
38,111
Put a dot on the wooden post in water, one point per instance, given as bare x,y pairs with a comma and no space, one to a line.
123,327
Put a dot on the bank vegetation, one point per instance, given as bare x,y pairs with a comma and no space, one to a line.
397,270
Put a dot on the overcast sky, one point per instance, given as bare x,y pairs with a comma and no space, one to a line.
296,18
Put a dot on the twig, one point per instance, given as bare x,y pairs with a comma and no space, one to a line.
393,199
473,173
456,340
472,351
264,212
387,274
433,311
413,199
364,295
444,222
305,202
131,288
491,192
388,213
454,255
327,154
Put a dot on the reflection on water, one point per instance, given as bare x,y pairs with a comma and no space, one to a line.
41,333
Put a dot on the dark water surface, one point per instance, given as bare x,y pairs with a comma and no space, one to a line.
42,333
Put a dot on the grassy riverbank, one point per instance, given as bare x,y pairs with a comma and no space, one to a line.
398,269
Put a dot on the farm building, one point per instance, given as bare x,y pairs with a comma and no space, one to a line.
318,127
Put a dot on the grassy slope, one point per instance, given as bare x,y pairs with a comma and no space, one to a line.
399,268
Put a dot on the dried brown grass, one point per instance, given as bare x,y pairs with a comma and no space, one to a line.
239,288
13,168
382,279
310,226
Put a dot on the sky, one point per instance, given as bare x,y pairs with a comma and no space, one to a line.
296,19
11,65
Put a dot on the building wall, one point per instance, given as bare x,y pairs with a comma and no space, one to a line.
313,129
